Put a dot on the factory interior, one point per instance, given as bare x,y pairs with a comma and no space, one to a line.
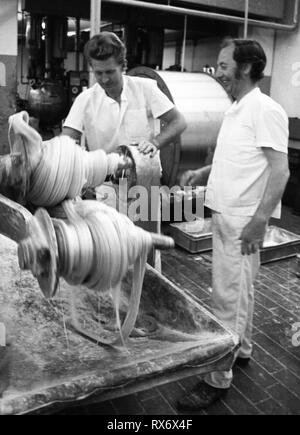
102,314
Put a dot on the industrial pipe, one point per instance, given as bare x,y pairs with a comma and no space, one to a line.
213,15
77,45
183,44
246,19
95,19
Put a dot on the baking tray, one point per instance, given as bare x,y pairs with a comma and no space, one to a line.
48,366
196,237
279,244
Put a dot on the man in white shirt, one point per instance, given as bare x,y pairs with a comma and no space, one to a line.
119,109
245,186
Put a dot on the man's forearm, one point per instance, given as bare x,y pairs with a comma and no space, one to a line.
204,174
274,191
171,131
71,132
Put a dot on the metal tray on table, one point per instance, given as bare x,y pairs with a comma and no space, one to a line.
279,244
196,237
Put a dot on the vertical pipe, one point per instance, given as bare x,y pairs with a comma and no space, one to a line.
48,46
183,44
95,25
23,42
77,44
194,53
246,19
95,17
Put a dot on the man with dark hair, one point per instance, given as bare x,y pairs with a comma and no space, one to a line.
106,45
245,184
119,109
248,51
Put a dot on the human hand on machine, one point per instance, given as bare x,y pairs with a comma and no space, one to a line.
148,147
195,178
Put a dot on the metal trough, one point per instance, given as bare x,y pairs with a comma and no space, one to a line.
48,366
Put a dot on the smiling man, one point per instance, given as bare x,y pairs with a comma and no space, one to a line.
118,109
245,185
121,110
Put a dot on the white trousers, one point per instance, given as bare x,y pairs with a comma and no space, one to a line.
233,291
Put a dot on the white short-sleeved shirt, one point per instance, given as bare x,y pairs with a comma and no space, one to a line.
108,124
240,169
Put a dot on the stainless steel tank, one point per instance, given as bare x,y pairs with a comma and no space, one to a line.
48,102
203,101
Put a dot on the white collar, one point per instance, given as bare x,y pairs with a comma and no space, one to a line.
246,98
123,93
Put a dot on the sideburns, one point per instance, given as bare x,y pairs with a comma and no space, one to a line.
238,73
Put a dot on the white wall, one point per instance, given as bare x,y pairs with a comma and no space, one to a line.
266,37
8,63
283,54
8,27
285,86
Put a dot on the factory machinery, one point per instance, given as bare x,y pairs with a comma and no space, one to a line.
64,339
49,86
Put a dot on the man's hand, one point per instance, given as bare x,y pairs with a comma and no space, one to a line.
253,235
146,147
195,178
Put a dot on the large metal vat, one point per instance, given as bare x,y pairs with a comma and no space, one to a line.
48,102
203,101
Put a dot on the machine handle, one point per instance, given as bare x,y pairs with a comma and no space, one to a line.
162,242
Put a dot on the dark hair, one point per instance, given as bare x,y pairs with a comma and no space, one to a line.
105,45
248,51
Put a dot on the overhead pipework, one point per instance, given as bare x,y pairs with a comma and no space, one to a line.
214,15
